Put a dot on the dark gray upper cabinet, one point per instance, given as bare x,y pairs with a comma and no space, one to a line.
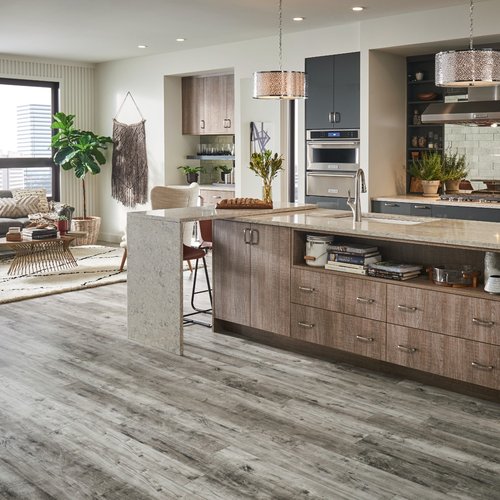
333,91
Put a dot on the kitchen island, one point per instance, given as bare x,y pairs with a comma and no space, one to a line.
263,286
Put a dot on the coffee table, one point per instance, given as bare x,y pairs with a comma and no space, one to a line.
34,256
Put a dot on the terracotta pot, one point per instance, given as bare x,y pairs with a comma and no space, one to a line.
430,188
63,226
452,186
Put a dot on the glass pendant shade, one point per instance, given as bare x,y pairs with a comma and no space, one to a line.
468,68
279,85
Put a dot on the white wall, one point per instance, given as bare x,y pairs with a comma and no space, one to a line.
381,149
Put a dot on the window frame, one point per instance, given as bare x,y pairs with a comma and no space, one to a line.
37,162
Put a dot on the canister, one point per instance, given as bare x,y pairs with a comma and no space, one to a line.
317,249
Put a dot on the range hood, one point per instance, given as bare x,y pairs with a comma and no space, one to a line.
482,109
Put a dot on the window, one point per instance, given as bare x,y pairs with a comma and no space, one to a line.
25,133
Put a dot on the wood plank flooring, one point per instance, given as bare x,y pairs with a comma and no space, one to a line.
84,413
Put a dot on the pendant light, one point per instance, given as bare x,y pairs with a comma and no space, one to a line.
468,68
279,84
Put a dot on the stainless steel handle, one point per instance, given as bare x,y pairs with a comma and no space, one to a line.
402,307
391,204
217,197
202,124
363,300
306,289
228,120
247,240
331,117
480,366
330,174
305,325
482,322
365,339
406,348
336,117
254,241
421,207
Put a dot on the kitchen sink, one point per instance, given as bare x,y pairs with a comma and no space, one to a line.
394,221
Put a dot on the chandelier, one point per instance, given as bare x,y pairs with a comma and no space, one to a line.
279,84
468,68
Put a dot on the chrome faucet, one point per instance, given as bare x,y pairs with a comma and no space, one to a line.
359,187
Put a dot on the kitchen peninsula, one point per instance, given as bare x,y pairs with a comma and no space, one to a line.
261,284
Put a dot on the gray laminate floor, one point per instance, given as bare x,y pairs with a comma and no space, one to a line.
86,414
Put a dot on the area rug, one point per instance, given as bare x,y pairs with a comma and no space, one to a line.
97,266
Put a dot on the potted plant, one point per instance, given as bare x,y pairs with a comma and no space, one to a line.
81,151
428,168
62,224
454,170
224,171
192,173
266,166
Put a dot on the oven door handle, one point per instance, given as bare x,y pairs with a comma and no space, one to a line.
323,144
332,174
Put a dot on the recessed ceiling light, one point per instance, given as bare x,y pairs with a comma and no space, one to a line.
142,46
358,9
180,39
298,19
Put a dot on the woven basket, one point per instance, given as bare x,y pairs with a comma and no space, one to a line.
90,225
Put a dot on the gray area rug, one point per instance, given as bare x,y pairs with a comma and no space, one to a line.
97,266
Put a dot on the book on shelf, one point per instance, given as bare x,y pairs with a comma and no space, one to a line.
396,267
345,268
355,258
376,273
352,248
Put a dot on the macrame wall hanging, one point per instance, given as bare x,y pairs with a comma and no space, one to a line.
129,178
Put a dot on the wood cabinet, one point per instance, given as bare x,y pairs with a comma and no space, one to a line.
252,287
213,196
208,105
333,91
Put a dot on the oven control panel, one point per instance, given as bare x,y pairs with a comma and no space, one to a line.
313,135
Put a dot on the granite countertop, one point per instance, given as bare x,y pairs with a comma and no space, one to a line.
421,230
434,200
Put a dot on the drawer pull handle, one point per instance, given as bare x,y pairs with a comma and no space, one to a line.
406,348
306,325
306,289
391,205
481,322
365,339
479,366
365,301
401,307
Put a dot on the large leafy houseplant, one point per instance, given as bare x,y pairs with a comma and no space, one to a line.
266,166
78,150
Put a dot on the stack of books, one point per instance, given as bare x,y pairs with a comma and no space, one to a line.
33,233
351,257
394,270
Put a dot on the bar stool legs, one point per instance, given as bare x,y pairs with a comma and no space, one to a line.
188,318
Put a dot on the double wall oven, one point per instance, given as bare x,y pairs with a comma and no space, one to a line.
331,164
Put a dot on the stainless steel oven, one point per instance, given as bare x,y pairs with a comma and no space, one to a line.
331,165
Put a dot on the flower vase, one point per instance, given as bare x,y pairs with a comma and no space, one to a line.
267,192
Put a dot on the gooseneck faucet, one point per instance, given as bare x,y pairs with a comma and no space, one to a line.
359,187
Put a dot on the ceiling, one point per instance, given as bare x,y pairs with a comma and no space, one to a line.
104,30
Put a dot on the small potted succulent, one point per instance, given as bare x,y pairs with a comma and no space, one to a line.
192,173
429,169
62,224
454,170
225,170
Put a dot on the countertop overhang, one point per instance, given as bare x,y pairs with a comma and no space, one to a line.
428,200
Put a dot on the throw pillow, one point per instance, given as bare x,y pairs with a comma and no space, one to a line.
12,209
43,204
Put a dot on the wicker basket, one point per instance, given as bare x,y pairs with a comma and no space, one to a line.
90,225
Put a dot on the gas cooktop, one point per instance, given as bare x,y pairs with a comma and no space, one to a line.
481,196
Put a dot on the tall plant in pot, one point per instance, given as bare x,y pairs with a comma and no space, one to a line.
429,169
454,170
80,151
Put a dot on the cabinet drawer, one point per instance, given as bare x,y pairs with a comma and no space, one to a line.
391,207
361,336
459,316
315,325
318,289
365,298
473,362
415,348
213,196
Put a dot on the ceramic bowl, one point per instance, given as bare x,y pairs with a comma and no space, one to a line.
426,96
